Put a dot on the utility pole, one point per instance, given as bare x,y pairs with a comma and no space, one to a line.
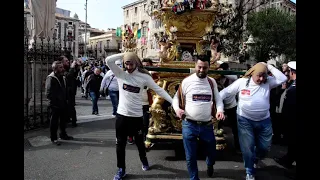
85,31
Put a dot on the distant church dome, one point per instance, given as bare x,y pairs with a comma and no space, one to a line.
75,16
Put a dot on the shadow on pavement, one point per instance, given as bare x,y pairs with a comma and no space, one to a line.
177,173
267,173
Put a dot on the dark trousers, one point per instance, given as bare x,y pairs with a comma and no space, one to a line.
94,96
232,123
278,126
291,135
146,117
114,96
58,117
129,126
72,110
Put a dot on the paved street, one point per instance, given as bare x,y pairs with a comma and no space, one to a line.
84,108
92,155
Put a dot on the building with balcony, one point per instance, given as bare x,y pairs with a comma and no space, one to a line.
283,5
91,32
66,28
104,45
135,17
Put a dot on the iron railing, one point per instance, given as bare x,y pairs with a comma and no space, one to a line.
38,57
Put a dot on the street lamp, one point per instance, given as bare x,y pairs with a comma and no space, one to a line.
85,31
250,43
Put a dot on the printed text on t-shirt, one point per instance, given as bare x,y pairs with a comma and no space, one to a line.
130,88
245,92
201,97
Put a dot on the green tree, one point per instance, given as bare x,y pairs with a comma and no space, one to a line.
274,34
229,25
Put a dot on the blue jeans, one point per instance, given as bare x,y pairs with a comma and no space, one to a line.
190,133
94,96
255,140
114,96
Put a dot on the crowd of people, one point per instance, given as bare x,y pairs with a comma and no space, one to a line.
255,113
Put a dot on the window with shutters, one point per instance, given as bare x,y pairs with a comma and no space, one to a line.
59,30
144,32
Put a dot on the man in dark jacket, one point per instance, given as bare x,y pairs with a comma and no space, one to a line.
56,93
93,87
289,113
71,76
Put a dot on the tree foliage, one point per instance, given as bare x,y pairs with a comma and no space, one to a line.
274,32
231,20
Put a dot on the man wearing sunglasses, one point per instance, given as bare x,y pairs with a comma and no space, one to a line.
129,118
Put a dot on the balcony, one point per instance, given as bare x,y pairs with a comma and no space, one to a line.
112,49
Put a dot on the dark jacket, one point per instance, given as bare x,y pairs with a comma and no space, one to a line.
94,82
290,103
71,76
87,74
56,91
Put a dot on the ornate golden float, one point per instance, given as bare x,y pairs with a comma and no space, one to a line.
184,34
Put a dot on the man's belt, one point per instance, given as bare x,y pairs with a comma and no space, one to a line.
199,122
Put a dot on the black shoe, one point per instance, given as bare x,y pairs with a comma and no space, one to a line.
96,113
210,171
66,137
74,125
56,142
283,162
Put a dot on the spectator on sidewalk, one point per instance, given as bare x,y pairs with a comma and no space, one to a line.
129,120
56,93
110,83
71,76
93,87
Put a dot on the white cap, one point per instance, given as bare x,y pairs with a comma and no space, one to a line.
292,65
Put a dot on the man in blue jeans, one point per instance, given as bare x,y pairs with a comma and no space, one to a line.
110,82
254,123
93,87
196,102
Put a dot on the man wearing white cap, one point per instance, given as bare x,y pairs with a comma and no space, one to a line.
288,110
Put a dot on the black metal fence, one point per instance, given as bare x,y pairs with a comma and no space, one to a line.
39,53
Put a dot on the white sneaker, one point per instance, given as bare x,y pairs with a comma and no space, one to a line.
250,177
113,116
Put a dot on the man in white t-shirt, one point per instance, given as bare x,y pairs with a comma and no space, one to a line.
200,100
230,105
129,120
254,123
